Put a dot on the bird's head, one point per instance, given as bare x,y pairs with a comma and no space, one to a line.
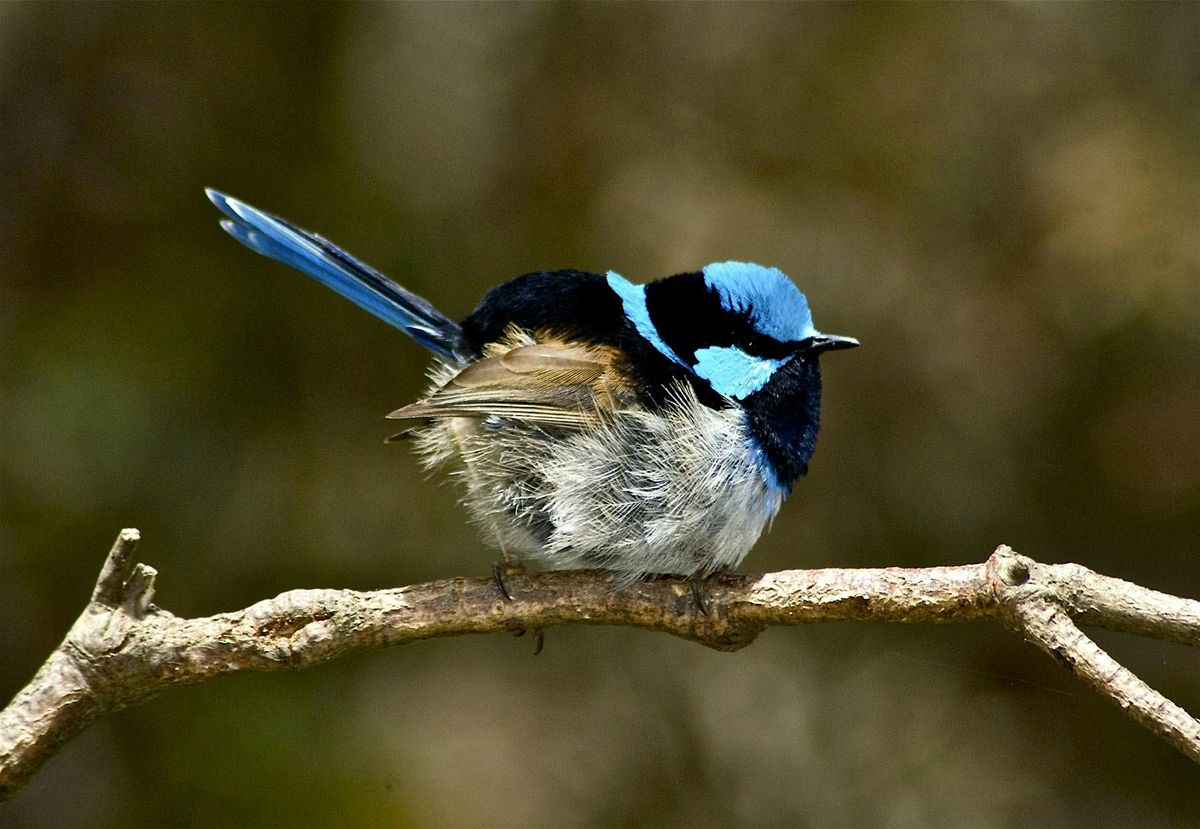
733,324
747,332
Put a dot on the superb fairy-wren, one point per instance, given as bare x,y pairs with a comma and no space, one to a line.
640,429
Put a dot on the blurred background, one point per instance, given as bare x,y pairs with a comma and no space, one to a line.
1001,201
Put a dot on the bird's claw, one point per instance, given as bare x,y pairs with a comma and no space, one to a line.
700,585
500,569
510,567
699,598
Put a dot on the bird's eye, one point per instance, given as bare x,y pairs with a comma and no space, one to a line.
760,345
756,344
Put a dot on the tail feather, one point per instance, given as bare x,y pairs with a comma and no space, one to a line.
281,240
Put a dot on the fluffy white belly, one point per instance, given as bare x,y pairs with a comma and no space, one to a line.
679,491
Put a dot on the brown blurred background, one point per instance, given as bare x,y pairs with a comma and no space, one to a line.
1001,201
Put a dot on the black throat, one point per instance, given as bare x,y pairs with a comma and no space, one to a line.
785,415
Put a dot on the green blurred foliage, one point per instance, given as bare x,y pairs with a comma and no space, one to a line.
1001,201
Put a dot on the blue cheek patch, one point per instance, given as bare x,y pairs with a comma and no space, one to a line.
633,300
734,373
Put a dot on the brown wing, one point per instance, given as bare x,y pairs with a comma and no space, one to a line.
549,384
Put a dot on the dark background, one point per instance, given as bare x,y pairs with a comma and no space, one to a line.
1001,201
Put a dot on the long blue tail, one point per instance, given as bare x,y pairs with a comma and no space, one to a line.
358,282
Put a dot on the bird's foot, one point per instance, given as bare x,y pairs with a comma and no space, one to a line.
700,585
539,638
699,598
511,567
502,569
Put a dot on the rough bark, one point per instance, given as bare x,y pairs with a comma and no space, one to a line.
123,649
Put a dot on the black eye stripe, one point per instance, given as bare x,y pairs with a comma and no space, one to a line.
689,317
764,346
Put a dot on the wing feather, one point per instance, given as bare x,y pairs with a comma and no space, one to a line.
548,384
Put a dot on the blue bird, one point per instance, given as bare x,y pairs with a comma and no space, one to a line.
642,429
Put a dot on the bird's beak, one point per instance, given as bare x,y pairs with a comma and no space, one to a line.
829,342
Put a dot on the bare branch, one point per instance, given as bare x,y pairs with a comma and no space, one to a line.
1054,632
110,586
1093,599
123,649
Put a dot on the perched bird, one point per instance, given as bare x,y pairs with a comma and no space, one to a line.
641,429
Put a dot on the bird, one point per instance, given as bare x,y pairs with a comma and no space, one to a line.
597,423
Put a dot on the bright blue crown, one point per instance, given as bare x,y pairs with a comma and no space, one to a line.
774,303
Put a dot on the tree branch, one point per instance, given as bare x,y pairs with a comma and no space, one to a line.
123,649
